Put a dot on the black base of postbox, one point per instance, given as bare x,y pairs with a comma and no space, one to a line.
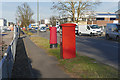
53,45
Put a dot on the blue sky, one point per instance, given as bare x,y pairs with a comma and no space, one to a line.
9,9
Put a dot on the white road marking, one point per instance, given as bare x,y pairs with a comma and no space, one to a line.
115,46
110,45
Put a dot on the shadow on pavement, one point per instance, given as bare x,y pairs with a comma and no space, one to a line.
22,66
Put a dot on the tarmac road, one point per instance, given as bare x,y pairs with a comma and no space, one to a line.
105,51
102,50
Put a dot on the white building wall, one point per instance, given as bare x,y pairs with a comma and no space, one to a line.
1,22
86,15
105,16
47,21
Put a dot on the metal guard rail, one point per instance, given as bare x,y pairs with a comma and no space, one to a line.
6,64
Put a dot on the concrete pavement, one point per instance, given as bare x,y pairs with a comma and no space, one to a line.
39,64
42,62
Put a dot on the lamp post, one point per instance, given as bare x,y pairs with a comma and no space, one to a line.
38,16
16,21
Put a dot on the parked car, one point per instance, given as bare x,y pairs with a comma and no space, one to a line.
58,28
43,29
32,27
2,31
36,28
89,30
102,28
8,29
42,25
76,29
113,31
5,29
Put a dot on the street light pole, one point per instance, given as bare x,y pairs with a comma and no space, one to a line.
16,21
38,16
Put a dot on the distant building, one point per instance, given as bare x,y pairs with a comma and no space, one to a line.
3,22
10,24
65,19
34,25
42,21
118,15
99,18
45,21
118,12
102,18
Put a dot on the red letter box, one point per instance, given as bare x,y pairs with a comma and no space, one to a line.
53,37
68,41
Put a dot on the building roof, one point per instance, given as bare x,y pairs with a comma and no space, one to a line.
102,15
97,15
106,14
3,18
118,11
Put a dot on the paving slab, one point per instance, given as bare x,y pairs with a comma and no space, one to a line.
42,62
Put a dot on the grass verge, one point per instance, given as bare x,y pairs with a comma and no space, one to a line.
27,32
79,67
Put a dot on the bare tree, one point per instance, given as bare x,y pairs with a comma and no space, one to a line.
74,7
53,20
24,14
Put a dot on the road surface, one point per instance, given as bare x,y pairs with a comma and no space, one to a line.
102,50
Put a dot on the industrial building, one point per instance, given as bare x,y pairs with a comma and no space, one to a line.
3,22
99,18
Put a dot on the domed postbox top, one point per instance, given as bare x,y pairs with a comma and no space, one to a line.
68,25
52,28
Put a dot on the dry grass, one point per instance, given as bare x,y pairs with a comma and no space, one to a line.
27,32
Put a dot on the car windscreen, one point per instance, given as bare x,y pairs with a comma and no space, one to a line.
118,26
58,26
76,26
43,28
95,27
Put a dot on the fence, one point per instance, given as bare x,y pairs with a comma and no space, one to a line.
7,61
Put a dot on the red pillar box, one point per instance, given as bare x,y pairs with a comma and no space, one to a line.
24,28
68,41
53,37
